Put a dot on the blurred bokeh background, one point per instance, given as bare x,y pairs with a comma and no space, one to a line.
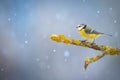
27,53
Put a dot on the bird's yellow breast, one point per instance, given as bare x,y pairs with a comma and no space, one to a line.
88,36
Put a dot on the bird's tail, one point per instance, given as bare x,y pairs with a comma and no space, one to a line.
106,34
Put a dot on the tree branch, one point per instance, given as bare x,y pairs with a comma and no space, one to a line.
105,50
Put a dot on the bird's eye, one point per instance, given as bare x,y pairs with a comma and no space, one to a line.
78,26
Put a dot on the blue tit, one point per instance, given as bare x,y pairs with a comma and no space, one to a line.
89,33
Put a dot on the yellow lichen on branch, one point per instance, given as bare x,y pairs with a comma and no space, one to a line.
105,50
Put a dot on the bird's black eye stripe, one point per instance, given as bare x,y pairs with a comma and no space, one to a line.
79,26
84,26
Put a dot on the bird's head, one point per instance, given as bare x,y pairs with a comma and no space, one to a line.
81,26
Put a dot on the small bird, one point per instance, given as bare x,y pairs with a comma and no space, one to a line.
89,33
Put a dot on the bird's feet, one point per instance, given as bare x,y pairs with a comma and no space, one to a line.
84,40
93,42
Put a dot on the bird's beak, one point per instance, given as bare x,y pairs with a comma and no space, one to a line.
76,27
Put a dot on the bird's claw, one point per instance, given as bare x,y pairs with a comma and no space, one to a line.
84,40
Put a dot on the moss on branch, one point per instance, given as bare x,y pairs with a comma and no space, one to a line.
105,50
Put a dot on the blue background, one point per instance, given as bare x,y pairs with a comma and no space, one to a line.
27,53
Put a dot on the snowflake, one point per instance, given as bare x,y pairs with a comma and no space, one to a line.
9,19
54,50
115,21
98,11
26,41
66,54
110,8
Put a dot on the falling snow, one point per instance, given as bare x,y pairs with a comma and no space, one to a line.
115,21
98,11
110,8
9,19
23,22
26,42
54,50
66,54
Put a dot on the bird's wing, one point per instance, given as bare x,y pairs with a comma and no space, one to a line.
89,30
96,32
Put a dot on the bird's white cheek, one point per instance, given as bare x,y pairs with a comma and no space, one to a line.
80,28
